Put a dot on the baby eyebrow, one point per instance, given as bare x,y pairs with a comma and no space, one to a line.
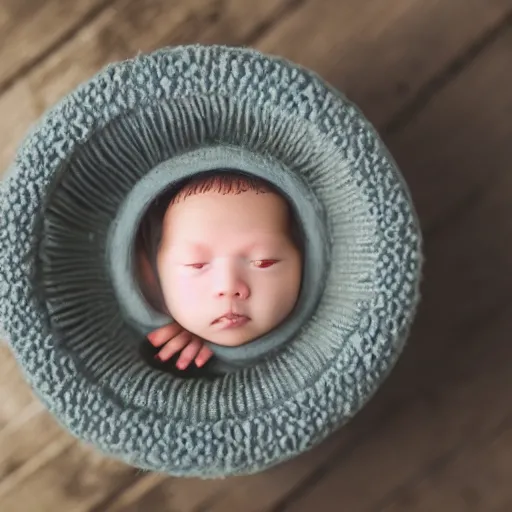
261,245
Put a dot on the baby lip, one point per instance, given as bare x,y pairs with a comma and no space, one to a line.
230,316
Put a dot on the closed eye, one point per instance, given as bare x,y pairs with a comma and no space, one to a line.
197,266
264,263
257,263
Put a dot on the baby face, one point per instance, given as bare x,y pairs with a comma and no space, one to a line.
229,255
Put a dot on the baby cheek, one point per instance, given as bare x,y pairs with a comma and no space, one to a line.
289,286
188,291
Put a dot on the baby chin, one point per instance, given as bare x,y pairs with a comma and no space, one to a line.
232,333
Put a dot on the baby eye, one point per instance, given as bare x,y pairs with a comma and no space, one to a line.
197,266
264,263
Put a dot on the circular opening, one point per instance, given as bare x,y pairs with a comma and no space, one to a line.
97,200
149,236
168,176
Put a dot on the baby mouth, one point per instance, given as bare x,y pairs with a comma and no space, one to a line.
231,319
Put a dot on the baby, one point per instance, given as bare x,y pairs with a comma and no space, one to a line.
223,257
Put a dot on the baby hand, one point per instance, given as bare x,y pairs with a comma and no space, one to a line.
173,338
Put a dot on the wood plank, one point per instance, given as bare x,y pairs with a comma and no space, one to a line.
18,444
507,507
30,29
49,89
452,150
15,395
477,478
75,480
162,492
382,53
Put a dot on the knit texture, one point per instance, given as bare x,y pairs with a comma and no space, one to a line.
85,367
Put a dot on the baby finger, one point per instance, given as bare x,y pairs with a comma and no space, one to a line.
188,354
174,345
162,335
203,356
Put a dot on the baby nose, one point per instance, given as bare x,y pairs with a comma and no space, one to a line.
230,285
240,291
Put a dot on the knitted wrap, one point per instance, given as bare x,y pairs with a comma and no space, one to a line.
60,308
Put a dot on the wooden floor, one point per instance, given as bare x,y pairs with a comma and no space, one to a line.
435,77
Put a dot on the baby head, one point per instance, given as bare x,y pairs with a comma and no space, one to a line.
228,258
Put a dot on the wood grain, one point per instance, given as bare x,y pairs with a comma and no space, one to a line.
75,480
14,392
475,478
382,53
452,149
30,29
